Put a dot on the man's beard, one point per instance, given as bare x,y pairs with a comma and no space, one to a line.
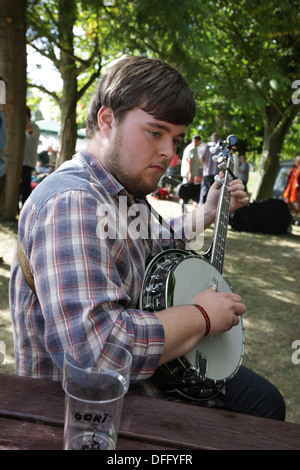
134,186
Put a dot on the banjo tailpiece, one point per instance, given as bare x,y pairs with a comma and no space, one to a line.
180,378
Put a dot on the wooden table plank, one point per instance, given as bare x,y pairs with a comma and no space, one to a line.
193,427
149,423
26,397
24,435
43,402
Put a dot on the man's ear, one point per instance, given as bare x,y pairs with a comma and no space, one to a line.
105,120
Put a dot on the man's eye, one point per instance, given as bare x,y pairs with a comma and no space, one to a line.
155,133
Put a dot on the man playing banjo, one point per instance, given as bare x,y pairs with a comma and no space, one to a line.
87,276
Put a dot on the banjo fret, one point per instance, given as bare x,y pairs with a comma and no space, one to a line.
221,223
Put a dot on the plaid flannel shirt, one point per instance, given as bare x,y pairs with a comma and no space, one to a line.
87,285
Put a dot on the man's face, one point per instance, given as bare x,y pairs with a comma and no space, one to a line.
141,149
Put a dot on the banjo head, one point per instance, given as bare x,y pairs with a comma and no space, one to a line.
222,354
173,278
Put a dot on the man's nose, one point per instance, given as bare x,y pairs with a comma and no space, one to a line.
168,149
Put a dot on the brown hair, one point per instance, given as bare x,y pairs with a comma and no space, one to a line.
151,84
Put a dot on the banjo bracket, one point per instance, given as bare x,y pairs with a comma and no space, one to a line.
201,364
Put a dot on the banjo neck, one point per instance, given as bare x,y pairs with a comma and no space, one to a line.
216,253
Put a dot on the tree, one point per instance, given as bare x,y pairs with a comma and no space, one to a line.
80,38
254,60
64,30
241,59
13,70
56,32
261,61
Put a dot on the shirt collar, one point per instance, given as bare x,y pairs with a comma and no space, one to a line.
106,179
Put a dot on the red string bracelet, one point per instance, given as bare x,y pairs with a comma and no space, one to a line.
206,318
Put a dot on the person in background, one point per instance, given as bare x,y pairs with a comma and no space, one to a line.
3,139
210,168
243,171
53,155
190,160
2,159
236,160
291,194
173,168
32,135
44,164
170,179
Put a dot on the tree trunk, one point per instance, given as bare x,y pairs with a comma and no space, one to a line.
13,70
268,166
67,14
68,134
276,125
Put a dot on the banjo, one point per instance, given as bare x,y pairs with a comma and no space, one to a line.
174,277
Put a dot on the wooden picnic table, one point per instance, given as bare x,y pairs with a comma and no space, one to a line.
32,418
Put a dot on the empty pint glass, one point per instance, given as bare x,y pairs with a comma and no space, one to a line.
95,385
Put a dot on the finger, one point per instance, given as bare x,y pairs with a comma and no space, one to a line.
240,309
233,296
237,189
236,181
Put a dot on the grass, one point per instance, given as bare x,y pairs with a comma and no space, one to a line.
263,269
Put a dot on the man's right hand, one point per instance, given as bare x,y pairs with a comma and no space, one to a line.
223,309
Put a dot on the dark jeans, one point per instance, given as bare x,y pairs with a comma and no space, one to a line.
206,183
25,187
251,394
2,183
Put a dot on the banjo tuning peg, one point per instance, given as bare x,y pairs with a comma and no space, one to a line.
220,180
215,149
222,165
231,140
